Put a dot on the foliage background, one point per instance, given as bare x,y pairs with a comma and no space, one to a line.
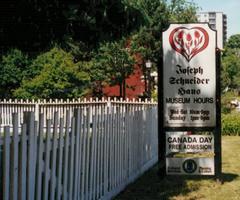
72,49
66,49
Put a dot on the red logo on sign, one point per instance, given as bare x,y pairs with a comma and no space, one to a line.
189,42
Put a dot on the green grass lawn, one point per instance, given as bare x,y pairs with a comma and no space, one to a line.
149,186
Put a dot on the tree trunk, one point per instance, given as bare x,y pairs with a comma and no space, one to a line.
120,90
124,88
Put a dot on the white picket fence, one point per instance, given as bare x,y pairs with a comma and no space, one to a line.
48,108
75,150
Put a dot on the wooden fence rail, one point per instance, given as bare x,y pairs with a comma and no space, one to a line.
89,153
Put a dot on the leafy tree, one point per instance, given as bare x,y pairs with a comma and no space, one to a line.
80,27
143,45
231,63
230,71
13,68
98,73
182,11
233,42
57,77
118,64
158,15
33,25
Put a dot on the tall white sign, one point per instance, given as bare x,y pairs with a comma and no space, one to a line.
189,76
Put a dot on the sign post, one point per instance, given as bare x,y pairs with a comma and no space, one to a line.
190,101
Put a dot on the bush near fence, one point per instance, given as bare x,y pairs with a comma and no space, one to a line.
92,151
231,124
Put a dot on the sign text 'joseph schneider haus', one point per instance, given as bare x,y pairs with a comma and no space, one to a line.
189,76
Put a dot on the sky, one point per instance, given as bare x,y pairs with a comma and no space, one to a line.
229,7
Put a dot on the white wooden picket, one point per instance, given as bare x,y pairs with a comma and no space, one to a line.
74,150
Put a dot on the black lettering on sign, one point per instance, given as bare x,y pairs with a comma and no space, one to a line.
189,71
178,100
203,100
174,111
182,91
205,139
194,118
188,81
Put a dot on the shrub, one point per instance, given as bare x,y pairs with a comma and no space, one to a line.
56,75
13,67
230,124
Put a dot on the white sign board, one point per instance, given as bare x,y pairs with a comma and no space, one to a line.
190,166
178,142
189,76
